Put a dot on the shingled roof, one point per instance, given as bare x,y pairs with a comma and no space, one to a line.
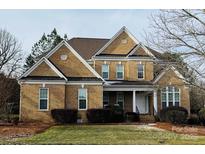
87,47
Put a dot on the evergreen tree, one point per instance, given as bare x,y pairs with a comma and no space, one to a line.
40,48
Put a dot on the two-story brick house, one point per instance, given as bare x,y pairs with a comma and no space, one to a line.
86,73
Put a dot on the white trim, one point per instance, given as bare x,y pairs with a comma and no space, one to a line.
127,89
86,99
61,82
155,102
122,72
134,101
123,29
55,69
107,58
43,59
143,47
77,55
39,109
173,95
179,75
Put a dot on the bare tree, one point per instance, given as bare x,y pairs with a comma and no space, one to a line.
10,54
181,32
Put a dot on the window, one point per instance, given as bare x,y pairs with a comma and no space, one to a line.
170,97
43,99
120,71
82,99
120,100
105,71
140,71
105,99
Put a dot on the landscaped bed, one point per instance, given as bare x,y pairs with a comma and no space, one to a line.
105,134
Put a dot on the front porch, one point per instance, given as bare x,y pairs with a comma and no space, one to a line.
142,100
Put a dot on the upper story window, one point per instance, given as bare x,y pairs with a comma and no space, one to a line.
140,71
120,71
170,96
82,99
43,99
105,71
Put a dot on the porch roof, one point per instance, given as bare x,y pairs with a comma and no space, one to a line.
125,85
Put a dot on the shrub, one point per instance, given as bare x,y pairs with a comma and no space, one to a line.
105,115
202,116
98,115
173,114
132,117
117,115
64,115
193,119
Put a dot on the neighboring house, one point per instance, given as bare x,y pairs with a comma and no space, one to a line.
87,73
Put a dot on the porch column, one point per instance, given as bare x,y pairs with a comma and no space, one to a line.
155,101
134,101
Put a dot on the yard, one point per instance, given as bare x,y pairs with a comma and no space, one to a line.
104,134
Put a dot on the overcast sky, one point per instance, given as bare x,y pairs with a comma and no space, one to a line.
29,25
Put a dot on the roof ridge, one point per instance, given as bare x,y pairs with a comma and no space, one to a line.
97,38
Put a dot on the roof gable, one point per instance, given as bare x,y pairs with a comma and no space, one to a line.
43,63
80,64
177,75
140,50
115,41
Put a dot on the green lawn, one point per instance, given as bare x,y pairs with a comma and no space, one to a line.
106,134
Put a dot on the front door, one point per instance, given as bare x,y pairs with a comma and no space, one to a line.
142,104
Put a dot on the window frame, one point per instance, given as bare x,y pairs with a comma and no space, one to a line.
120,72
117,96
86,98
143,72
39,101
107,71
173,96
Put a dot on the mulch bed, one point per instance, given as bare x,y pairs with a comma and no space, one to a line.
182,129
21,130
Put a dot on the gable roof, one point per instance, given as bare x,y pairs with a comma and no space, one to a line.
123,29
87,47
76,54
43,59
178,74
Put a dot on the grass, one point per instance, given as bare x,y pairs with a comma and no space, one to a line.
106,134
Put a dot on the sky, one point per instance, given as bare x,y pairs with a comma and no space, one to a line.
29,25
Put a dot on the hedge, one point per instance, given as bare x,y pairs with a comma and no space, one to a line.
174,114
64,116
